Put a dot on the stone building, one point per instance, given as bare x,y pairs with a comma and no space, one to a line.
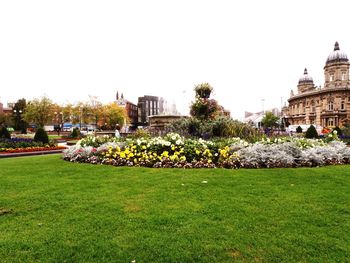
326,106
130,108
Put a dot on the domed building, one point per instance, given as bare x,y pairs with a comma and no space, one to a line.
328,106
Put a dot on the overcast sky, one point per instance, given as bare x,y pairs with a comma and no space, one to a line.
247,50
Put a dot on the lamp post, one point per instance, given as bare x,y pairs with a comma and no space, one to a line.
59,121
17,118
81,116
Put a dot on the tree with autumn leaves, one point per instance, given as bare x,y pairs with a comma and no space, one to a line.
43,111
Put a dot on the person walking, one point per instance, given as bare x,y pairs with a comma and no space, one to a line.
117,131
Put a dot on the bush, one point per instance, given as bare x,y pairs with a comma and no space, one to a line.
75,133
339,131
41,136
18,143
311,133
4,133
140,133
299,129
223,127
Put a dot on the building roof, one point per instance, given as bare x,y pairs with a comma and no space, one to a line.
306,78
337,55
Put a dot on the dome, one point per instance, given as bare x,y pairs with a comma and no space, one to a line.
305,78
337,55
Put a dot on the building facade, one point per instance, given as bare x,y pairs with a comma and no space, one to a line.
147,106
130,108
326,106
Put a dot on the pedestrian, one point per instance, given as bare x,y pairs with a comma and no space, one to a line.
117,131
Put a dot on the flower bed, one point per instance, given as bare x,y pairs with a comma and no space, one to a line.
173,150
30,149
20,145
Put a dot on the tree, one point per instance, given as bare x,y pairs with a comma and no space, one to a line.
39,111
18,111
67,111
82,113
114,115
270,120
96,109
5,120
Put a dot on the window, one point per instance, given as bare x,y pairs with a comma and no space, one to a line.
330,105
331,77
313,109
342,105
343,76
330,122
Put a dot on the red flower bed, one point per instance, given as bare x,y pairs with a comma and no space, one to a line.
31,149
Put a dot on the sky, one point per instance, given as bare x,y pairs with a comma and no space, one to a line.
252,52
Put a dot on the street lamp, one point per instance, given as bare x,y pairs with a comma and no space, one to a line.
18,118
81,116
59,121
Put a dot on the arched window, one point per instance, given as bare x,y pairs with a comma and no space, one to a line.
330,105
342,105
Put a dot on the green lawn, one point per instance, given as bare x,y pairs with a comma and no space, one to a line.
56,211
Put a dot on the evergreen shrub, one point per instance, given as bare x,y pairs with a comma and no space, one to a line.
75,133
311,133
4,133
299,129
41,136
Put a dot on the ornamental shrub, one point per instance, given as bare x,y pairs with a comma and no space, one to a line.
339,131
75,133
299,129
41,136
311,133
4,133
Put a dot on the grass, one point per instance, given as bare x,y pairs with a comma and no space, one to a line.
55,211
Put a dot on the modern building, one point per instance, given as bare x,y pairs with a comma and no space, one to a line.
322,106
147,106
